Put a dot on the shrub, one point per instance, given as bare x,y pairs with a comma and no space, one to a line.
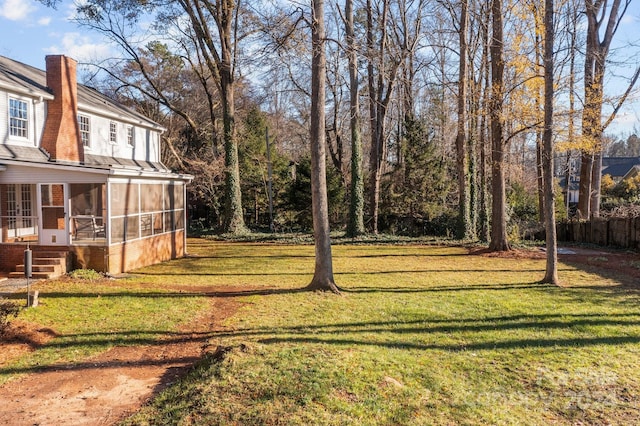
8,310
85,274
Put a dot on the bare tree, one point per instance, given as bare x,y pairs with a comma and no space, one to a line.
465,230
323,274
597,50
551,275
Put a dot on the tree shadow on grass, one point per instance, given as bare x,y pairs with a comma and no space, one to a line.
474,331
174,294
490,345
336,273
544,322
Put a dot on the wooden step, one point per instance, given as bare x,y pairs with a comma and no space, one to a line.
34,275
45,264
47,254
57,268
49,261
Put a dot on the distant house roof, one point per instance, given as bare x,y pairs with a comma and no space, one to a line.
32,81
618,167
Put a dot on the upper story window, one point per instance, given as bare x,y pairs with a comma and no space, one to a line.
113,132
18,118
131,137
85,129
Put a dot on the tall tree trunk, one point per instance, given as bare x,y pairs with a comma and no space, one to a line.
356,210
484,137
551,274
464,217
376,114
597,50
233,217
323,273
499,241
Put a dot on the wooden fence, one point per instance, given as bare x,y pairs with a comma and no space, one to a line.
615,232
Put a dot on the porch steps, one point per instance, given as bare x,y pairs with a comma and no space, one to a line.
45,265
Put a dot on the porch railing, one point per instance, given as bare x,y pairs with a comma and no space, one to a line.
88,227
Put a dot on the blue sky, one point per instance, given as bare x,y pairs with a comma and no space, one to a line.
29,31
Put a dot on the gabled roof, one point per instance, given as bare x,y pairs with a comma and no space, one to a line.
617,167
31,81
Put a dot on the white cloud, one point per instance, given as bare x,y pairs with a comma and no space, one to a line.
80,48
16,10
45,21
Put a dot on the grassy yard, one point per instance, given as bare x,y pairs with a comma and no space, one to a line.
421,335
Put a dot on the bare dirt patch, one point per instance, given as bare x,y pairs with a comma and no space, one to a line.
106,388
22,337
621,265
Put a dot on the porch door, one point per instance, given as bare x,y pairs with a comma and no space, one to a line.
20,213
54,218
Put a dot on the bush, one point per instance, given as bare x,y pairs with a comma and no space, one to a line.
85,274
8,310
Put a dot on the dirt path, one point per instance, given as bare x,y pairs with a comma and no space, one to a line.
104,389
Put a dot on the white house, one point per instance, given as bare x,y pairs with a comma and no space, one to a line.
82,175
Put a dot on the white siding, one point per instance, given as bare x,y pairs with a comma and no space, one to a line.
145,148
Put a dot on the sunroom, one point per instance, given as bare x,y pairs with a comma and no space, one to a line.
113,226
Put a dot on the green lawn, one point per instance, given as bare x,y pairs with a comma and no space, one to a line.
421,335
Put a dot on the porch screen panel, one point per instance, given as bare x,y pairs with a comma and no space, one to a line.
151,200
124,199
151,197
125,229
87,199
132,227
174,206
117,229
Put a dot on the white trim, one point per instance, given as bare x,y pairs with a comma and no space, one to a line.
31,114
114,142
82,132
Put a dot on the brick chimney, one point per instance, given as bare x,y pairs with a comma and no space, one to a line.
61,137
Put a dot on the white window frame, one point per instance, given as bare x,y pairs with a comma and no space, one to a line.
84,124
131,136
113,132
24,120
